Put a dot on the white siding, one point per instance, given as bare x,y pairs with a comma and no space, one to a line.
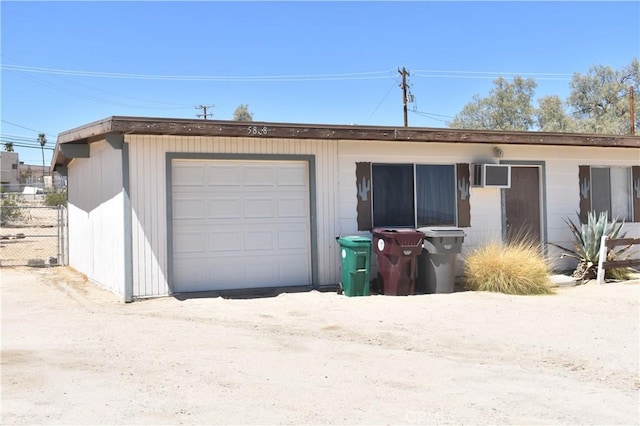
336,190
149,198
96,216
561,164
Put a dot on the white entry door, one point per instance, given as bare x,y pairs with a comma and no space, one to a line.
240,224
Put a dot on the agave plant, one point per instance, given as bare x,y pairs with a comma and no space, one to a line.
586,246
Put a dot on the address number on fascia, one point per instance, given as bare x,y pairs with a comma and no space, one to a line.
257,131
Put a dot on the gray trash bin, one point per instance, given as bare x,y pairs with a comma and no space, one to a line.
437,262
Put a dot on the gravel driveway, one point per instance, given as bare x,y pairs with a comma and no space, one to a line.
73,354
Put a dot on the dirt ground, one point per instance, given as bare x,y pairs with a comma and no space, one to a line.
73,354
33,237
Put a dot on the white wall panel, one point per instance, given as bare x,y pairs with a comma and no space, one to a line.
96,216
561,167
336,189
148,199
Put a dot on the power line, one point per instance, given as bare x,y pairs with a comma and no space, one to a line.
106,92
453,76
383,98
444,72
26,128
370,75
429,116
89,97
19,145
367,75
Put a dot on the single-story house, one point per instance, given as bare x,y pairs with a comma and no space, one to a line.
165,206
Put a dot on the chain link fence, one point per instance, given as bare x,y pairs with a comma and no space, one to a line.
33,235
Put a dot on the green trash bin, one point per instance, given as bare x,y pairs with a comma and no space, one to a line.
355,260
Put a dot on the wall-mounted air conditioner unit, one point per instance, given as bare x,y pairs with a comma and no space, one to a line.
492,175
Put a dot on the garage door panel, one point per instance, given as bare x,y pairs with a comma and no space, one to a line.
225,208
188,174
292,207
246,226
259,175
292,176
259,239
223,274
259,207
189,208
223,175
225,240
293,238
189,242
291,268
261,271
190,270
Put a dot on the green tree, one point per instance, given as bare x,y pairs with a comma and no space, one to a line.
551,115
242,113
599,102
508,107
8,146
600,99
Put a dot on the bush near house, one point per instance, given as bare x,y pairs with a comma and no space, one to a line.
57,198
10,210
511,268
586,247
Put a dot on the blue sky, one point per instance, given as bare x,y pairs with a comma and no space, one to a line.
65,64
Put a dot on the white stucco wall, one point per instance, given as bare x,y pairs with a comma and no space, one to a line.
96,216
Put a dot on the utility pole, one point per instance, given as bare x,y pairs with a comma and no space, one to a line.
404,73
43,141
204,111
632,111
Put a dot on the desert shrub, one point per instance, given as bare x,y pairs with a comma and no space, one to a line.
10,210
57,198
586,246
511,268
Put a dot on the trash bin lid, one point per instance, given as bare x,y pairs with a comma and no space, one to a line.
391,232
442,231
404,237
354,241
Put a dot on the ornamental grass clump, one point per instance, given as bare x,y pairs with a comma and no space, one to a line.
511,268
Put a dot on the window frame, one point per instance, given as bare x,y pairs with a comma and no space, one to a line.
629,195
415,166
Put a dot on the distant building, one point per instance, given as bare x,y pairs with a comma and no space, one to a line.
9,171
16,174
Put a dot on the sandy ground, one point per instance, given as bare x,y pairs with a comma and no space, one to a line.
73,354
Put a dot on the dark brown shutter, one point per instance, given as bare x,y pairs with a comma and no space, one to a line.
584,187
363,193
463,194
635,192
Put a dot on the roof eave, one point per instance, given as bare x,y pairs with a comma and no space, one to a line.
196,127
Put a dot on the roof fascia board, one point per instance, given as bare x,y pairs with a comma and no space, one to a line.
119,125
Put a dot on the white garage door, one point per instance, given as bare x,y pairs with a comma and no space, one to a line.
240,224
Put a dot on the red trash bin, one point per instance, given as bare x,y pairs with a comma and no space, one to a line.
397,253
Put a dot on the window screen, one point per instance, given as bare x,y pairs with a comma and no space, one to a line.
436,195
610,189
600,190
393,195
